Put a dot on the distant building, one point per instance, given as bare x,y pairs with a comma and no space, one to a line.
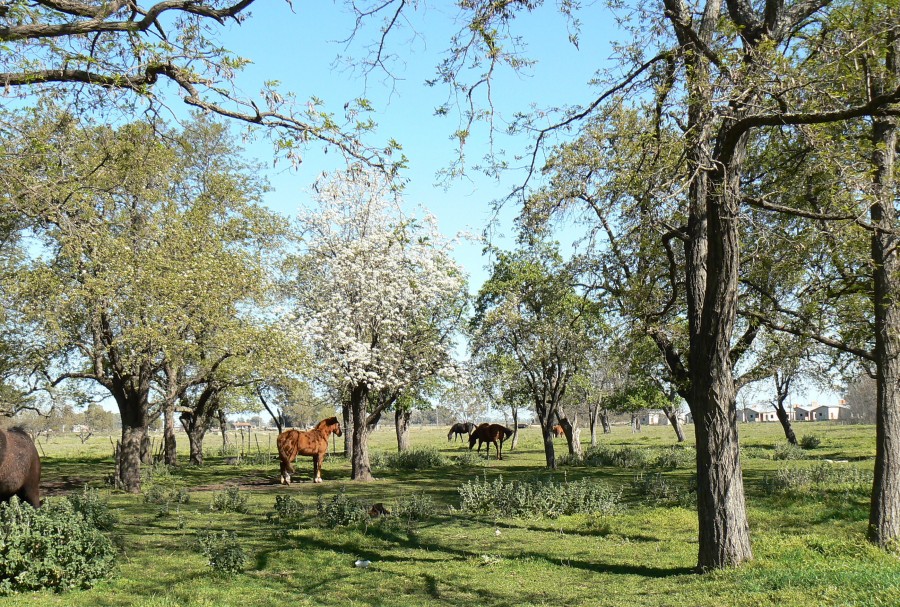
760,413
830,413
802,414
650,418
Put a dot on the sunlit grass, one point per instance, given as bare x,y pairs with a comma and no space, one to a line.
809,548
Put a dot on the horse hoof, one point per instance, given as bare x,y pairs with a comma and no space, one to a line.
318,480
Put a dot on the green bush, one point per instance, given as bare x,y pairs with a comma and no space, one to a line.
52,548
94,510
222,550
165,494
415,507
632,457
410,460
229,500
340,510
658,490
810,441
822,476
673,457
288,510
536,498
787,451
467,459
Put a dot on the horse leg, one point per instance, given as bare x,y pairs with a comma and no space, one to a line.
317,468
499,450
285,476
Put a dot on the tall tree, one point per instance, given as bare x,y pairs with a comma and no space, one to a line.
374,290
531,311
123,283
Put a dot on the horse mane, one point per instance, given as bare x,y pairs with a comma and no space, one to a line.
329,421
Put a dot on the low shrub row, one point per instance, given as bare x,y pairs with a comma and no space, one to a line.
536,498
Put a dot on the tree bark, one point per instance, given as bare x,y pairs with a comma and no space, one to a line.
515,436
884,513
785,419
170,451
401,424
604,421
572,432
133,411
348,429
361,470
672,416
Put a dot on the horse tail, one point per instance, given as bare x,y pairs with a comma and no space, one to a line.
287,449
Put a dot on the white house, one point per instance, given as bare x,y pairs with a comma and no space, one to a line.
760,413
802,414
830,412
651,418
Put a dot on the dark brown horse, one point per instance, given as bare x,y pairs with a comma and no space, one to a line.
292,443
557,431
20,467
460,428
490,433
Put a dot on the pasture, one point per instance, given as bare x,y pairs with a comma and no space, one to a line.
807,530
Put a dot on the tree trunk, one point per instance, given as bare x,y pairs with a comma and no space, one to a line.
401,424
884,513
133,408
195,439
672,416
593,414
515,436
604,421
785,420
170,451
361,469
223,429
572,432
348,429
549,453
712,268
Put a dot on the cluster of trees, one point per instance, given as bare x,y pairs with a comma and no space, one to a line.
736,178
737,185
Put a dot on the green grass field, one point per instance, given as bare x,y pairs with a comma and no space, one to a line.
808,540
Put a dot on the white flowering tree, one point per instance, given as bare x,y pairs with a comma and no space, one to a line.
379,299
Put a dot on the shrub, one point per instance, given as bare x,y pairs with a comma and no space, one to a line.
823,476
674,457
415,507
410,460
229,500
94,510
340,510
222,550
810,441
787,451
657,489
159,493
536,498
467,459
54,547
288,510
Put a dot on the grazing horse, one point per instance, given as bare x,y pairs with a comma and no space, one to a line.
490,433
20,467
557,431
292,443
460,428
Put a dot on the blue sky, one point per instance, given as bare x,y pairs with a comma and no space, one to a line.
299,48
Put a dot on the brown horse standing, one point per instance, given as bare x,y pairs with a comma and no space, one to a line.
460,428
557,431
20,467
292,443
490,433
